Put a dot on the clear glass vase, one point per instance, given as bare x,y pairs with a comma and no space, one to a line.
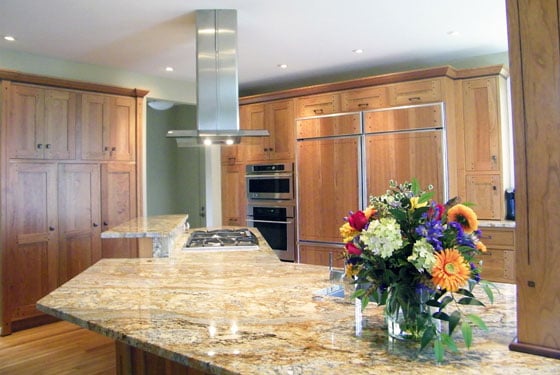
407,314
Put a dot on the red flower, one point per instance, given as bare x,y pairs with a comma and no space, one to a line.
436,212
358,220
353,249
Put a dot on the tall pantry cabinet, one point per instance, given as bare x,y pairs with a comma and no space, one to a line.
68,171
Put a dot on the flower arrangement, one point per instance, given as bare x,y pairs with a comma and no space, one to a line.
412,254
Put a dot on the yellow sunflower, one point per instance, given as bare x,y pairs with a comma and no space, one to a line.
463,215
450,271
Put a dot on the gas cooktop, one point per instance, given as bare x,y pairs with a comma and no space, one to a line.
222,240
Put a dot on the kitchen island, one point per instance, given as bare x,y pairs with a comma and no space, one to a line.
245,312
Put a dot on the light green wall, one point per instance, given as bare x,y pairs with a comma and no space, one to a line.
160,88
175,176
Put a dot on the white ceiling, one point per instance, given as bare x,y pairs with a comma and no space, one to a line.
313,37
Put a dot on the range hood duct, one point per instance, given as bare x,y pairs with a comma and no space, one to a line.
217,85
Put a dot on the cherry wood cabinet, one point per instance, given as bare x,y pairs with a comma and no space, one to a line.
315,105
108,129
485,133
278,118
321,254
498,262
363,99
415,92
31,254
118,204
46,123
67,166
79,202
234,200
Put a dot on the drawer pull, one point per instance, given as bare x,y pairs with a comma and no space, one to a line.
318,111
363,105
414,98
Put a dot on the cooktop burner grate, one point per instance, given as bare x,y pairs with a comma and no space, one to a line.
222,238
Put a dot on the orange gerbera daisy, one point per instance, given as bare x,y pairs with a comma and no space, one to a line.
450,271
481,247
463,215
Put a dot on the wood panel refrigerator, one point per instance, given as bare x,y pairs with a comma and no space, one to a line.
342,159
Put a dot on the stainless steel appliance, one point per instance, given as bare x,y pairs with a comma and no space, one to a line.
222,240
276,222
271,205
270,181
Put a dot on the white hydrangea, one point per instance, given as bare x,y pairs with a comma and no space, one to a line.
423,256
382,237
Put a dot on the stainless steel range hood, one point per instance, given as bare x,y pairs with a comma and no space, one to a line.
217,85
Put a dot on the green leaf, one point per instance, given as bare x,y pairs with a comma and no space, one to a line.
488,291
426,197
470,301
475,319
427,337
438,350
465,292
441,316
365,302
445,301
449,342
466,329
415,186
454,320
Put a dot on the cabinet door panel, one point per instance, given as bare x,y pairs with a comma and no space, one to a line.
328,126
118,197
321,254
122,132
60,124
252,148
402,157
32,238
416,117
25,122
485,192
328,186
482,125
95,117
280,123
234,199
79,218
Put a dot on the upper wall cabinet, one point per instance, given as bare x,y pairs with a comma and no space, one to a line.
363,99
45,121
107,130
415,92
316,105
278,118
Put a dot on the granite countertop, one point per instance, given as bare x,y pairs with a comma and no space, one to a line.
245,312
148,226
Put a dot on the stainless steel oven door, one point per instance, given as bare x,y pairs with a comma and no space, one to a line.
277,225
272,186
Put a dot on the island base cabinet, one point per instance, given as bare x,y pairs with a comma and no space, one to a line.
136,361
321,254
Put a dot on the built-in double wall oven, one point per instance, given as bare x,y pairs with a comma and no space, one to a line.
271,206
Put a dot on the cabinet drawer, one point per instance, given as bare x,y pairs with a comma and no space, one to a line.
493,237
317,105
363,99
319,255
415,92
498,265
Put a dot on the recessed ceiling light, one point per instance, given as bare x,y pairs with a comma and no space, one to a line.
453,33
9,38
358,50
282,66
169,69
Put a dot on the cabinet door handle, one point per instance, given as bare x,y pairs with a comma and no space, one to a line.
95,225
105,223
39,145
48,145
106,148
113,149
51,228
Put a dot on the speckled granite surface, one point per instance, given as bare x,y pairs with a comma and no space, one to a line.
248,313
162,229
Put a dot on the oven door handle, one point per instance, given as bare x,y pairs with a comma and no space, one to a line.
268,176
271,221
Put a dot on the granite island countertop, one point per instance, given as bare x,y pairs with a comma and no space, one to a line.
246,312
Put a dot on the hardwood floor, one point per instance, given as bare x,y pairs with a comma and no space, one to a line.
57,348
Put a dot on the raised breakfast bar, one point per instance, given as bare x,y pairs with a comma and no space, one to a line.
245,312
